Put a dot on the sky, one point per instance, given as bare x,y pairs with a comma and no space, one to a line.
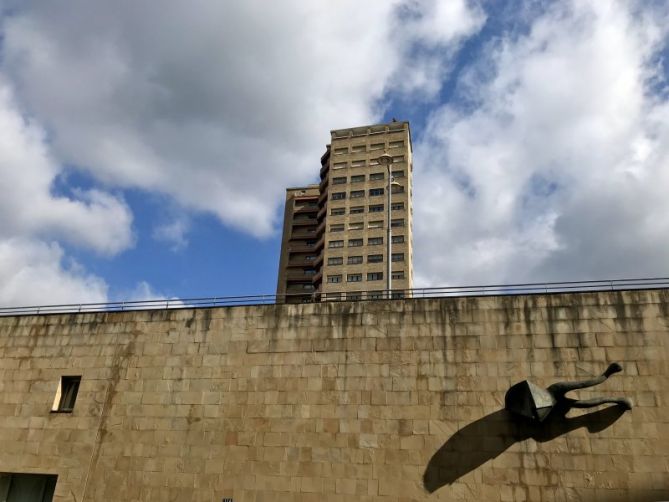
145,152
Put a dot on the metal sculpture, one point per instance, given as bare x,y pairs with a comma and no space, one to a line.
531,401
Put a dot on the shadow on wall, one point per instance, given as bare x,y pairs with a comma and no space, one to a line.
488,437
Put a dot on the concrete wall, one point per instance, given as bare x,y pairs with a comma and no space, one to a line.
391,401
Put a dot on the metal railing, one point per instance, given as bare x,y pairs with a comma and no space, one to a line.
314,297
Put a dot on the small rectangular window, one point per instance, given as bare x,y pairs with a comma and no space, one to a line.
354,296
310,257
398,275
397,239
397,206
334,278
358,148
360,178
376,176
375,241
398,256
340,180
355,194
398,174
357,209
396,144
358,163
354,260
377,208
354,278
336,244
356,226
339,165
375,258
338,195
397,223
377,146
338,211
340,151
375,224
336,260
398,189
373,192
398,158
373,162
354,243
66,395
397,295
336,228
375,295
375,276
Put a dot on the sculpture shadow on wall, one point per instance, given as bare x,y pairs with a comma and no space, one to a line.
488,437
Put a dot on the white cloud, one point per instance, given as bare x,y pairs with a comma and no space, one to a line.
218,104
173,233
37,273
559,171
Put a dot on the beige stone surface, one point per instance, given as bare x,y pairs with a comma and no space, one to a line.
339,401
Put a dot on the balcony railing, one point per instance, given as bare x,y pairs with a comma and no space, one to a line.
416,293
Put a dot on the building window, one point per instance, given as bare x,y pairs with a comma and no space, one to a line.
354,260
354,243
340,180
398,158
355,194
339,165
397,206
66,394
375,258
332,296
376,176
336,244
377,146
373,162
396,144
358,148
309,271
373,192
375,276
378,208
338,211
397,295
398,174
310,257
19,487
357,209
358,163
397,239
354,296
340,151
398,256
336,228
375,295
334,278
307,286
375,224
397,223
356,226
354,278
337,260
338,195
397,275
375,241
398,189
360,178
310,244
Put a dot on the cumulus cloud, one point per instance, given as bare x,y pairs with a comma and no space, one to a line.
218,104
38,273
557,169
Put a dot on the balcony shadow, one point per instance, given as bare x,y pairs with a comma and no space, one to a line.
488,437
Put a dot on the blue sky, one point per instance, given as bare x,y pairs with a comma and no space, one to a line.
145,154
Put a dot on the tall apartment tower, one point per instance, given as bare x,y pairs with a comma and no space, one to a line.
335,234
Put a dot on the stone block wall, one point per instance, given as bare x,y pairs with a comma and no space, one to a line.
368,401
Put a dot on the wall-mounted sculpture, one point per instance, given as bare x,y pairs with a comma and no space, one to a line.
534,402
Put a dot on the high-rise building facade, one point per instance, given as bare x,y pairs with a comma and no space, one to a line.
336,234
